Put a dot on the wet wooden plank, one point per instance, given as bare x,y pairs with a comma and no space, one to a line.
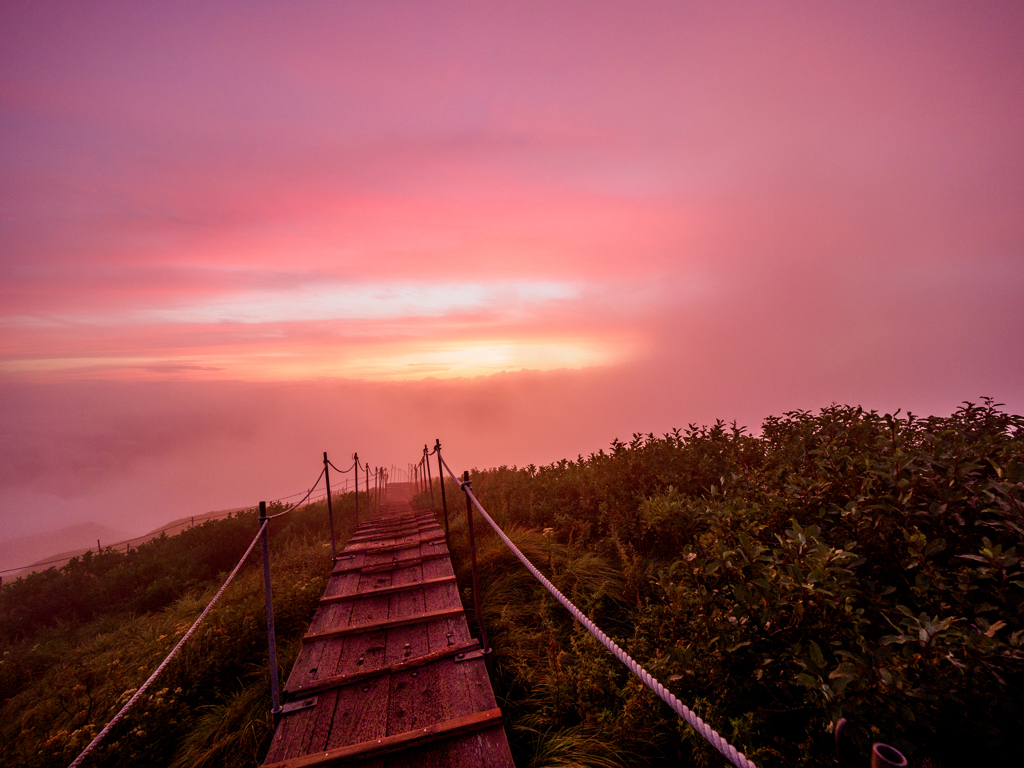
338,681
380,656
389,565
386,590
374,626
446,729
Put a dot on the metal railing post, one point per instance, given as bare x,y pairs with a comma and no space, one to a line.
444,501
430,484
330,511
476,578
355,457
275,693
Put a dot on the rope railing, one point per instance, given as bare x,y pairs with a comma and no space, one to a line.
300,503
728,751
182,524
262,534
174,651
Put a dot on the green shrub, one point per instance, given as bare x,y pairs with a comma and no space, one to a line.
841,564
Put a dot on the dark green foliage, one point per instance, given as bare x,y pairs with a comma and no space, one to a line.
841,564
66,669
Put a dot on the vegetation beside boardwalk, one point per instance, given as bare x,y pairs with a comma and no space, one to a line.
77,642
840,564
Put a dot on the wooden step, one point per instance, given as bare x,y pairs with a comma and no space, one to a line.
400,741
337,681
394,564
359,629
386,590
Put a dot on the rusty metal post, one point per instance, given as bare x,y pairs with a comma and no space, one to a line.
884,756
275,693
430,484
355,457
330,511
476,578
444,501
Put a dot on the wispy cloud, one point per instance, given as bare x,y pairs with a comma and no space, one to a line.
334,301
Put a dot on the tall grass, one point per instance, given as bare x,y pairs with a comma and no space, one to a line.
211,706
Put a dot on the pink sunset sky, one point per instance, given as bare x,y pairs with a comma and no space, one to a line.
235,235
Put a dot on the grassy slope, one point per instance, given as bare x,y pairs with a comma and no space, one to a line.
62,682
842,564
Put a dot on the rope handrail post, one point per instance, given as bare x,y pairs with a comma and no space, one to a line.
430,483
369,502
355,457
330,511
484,644
444,501
275,693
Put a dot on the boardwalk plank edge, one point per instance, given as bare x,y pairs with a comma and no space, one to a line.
409,523
400,546
428,530
359,629
338,681
399,741
391,566
386,590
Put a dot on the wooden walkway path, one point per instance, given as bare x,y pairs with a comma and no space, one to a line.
388,674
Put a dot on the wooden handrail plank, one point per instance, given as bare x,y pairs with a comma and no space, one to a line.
399,741
358,629
386,590
337,681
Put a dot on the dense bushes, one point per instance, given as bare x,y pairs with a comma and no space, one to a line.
841,564
66,668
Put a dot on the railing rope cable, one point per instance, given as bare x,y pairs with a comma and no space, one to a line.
300,503
156,673
728,751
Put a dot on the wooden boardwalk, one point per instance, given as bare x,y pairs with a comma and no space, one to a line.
388,674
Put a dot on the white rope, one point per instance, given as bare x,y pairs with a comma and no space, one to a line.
730,752
156,673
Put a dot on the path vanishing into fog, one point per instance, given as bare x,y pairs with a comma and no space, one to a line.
388,674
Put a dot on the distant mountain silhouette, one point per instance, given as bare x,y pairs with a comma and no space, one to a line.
75,540
69,541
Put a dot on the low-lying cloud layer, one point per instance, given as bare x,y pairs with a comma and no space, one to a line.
233,238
